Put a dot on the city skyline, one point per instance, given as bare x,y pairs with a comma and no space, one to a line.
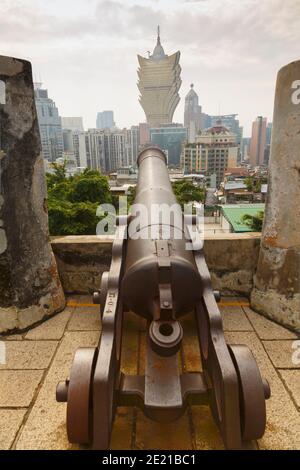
230,60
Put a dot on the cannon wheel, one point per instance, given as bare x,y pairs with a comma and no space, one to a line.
252,393
79,407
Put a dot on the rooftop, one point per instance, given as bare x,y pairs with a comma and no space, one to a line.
235,212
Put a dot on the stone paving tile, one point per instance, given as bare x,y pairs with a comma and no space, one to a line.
85,319
17,387
80,299
234,319
51,329
267,329
190,344
11,421
207,435
45,427
283,354
130,343
28,354
122,430
234,300
12,337
153,435
292,380
283,419
124,421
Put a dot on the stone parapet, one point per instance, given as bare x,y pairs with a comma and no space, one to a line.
231,259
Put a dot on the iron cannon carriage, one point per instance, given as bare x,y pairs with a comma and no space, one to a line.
153,274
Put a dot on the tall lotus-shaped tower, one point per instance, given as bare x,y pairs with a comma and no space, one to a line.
159,83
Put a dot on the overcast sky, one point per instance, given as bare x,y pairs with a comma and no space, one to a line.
85,51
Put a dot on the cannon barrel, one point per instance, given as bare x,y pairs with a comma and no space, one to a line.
161,281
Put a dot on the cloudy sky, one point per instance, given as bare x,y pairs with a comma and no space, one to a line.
84,51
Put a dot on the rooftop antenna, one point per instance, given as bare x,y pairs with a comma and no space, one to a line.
158,34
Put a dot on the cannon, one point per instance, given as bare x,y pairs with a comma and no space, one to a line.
153,274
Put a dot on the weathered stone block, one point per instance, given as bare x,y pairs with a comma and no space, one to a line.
29,279
277,280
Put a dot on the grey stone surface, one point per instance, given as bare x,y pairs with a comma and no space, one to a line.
29,280
277,280
267,329
231,259
11,421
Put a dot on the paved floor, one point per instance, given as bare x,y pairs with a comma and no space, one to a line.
35,361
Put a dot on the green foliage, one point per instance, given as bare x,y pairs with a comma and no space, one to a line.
254,184
186,192
131,195
254,221
72,202
90,188
249,183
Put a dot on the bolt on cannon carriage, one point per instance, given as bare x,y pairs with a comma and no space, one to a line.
158,278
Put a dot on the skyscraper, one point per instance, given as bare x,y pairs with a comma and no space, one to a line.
49,124
159,83
74,124
132,143
170,139
105,120
144,132
268,143
192,114
258,141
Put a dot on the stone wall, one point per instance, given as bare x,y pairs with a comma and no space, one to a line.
231,259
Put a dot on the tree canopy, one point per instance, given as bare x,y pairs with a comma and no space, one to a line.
73,201
254,221
186,192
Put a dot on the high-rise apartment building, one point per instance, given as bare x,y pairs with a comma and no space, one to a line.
49,124
231,122
144,131
74,124
192,114
105,120
132,144
170,138
79,149
258,141
159,83
103,149
268,143
214,151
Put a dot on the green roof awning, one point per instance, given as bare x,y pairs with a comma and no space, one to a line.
235,213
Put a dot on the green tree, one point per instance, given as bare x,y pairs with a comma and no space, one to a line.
186,192
73,201
90,188
249,183
255,222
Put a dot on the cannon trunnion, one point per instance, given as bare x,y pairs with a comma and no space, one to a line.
153,274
